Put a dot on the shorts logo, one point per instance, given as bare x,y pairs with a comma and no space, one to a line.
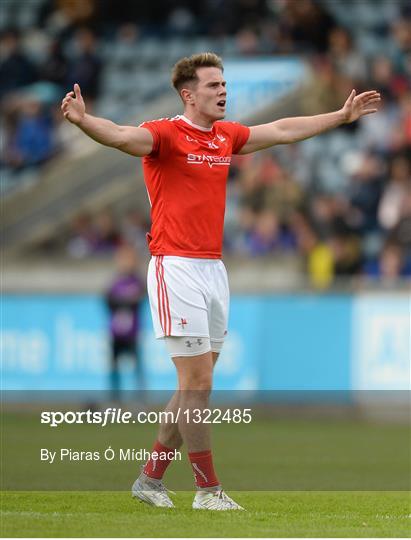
200,159
189,343
182,323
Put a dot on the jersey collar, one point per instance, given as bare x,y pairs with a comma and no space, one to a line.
189,122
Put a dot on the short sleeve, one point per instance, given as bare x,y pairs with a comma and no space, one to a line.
161,132
239,135
242,135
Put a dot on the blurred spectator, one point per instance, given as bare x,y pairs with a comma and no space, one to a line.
401,233
268,235
123,299
346,59
283,194
238,241
395,192
85,65
61,16
123,50
100,234
55,66
252,189
82,237
308,24
365,192
304,233
247,42
324,215
390,266
321,266
133,230
107,233
380,131
404,139
383,76
401,45
30,139
329,92
181,21
16,69
346,255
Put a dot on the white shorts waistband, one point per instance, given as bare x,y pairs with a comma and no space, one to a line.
194,260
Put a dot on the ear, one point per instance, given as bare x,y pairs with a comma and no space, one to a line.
186,96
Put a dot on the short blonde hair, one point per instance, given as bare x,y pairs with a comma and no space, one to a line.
185,70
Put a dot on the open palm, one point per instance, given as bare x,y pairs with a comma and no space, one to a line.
357,106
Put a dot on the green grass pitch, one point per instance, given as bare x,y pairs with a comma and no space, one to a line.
296,478
268,514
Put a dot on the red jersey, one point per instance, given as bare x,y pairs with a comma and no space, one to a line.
186,175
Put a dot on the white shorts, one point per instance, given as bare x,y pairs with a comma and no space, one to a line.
188,297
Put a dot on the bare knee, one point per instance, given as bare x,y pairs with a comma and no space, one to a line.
202,384
195,373
197,381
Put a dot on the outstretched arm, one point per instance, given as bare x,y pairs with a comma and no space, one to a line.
290,130
132,140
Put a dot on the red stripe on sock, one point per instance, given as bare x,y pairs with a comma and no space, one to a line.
155,468
203,469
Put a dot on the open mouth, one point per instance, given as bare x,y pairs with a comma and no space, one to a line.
221,103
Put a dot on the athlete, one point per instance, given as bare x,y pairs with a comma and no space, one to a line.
185,162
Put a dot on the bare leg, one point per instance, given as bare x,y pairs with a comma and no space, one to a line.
195,381
195,376
169,434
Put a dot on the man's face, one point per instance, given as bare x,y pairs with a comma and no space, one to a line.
208,95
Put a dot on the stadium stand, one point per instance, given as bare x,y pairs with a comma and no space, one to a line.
339,205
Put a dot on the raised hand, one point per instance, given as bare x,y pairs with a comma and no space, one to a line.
73,106
357,106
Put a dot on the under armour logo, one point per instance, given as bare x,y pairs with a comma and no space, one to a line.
189,343
189,139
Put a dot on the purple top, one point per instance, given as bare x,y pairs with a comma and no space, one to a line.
123,298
